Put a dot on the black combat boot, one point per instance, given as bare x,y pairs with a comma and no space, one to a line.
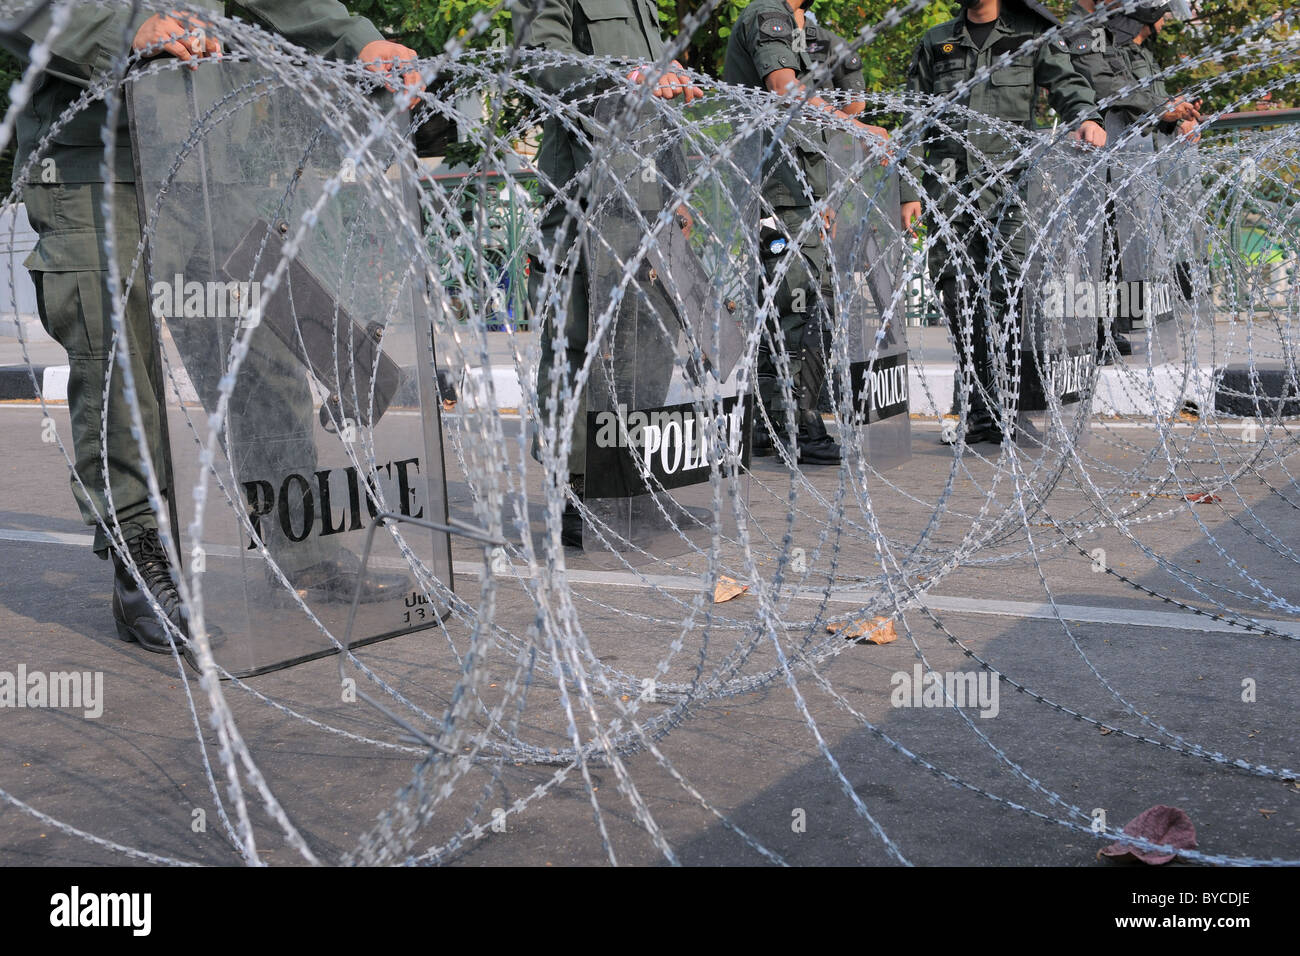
571,519
136,619
816,446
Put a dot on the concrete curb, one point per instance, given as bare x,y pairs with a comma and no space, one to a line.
1121,389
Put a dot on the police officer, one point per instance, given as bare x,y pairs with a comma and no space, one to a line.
993,240
69,266
771,47
1115,55
629,30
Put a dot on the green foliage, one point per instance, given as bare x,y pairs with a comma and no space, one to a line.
884,61
426,25
1221,20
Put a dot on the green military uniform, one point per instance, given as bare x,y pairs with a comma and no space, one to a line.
1124,74
63,189
765,39
977,163
626,29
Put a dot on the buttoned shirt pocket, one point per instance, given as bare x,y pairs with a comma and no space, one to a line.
611,27
1017,74
950,72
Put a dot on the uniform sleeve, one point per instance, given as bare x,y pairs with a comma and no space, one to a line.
323,26
1068,90
848,74
88,44
769,37
1090,61
919,80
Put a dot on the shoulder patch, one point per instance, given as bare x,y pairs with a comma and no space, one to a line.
776,25
853,63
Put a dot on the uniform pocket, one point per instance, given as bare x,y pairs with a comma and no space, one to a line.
948,74
71,308
609,26
1015,75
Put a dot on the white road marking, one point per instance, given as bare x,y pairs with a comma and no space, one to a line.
1076,613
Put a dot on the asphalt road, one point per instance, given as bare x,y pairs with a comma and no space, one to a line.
816,765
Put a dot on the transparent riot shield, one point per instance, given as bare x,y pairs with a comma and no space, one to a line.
868,253
670,293
323,429
1064,298
1138,254
1186,232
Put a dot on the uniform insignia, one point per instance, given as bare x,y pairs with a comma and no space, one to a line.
947,48
777,26
776,246
853,63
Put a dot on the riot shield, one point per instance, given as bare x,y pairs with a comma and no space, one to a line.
323,429
669,293
1065,295
1183,196
868,256
1138,255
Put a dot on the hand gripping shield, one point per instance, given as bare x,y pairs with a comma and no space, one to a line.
868,344
672,280
308,296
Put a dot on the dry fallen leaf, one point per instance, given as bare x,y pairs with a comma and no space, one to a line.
448,405
1202,498
1267,813
878,630
1167,826
727,588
